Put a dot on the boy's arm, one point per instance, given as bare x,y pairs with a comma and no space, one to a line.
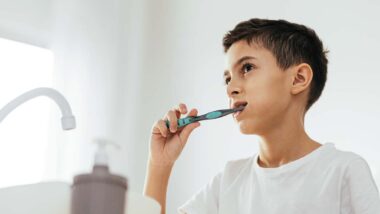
156,183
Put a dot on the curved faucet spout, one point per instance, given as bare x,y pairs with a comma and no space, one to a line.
67,120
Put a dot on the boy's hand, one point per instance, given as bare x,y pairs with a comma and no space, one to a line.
166,145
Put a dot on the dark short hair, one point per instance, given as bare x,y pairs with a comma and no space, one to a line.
290,44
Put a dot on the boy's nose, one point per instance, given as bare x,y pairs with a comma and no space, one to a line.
233,91
234,87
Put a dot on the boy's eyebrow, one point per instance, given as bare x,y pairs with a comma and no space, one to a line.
226,72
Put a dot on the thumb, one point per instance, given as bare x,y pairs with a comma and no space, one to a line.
186,131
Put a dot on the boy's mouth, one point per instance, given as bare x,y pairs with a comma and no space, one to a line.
241,106
239,103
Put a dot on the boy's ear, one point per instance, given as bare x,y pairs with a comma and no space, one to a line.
302,75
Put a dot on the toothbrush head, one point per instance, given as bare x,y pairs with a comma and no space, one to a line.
240,108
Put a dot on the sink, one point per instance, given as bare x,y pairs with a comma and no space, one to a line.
54,197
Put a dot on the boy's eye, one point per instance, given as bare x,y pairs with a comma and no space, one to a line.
247,67
227,80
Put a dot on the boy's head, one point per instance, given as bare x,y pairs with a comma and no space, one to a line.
278,67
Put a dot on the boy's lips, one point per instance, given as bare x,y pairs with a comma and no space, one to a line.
236,114
238,103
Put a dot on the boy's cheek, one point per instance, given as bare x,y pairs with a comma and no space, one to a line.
265,96
268,102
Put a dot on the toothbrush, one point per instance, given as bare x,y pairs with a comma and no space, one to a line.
209,116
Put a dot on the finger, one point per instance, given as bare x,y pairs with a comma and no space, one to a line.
187,130
157,129
161,126
183,108
177,112
180,109
193,112
172,117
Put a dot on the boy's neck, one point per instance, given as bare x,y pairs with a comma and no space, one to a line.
275,156
286,143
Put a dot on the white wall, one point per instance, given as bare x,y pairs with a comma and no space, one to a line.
97,45
124,64
26,21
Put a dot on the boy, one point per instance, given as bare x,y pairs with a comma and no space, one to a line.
277,69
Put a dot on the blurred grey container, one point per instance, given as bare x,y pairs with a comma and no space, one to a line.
99,192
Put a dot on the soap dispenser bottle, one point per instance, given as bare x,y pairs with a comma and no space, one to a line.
99,192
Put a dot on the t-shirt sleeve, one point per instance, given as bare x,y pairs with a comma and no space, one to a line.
359,188
205,201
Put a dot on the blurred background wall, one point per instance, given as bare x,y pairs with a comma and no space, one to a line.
122,64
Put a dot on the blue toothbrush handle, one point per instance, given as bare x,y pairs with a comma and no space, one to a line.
183,121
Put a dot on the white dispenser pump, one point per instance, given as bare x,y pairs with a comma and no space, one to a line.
101,157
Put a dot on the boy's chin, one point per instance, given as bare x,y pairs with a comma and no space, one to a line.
247,128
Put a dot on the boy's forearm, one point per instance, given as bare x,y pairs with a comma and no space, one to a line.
156,183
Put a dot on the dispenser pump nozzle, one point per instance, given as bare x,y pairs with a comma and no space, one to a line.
101,157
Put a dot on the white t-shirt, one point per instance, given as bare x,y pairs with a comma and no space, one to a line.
324,181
